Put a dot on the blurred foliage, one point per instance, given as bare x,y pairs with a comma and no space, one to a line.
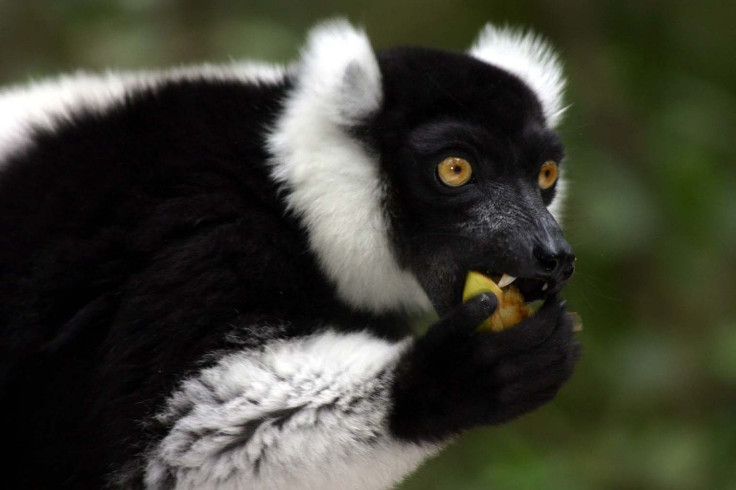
652,213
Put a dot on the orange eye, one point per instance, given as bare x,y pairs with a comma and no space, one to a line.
454,171
547,175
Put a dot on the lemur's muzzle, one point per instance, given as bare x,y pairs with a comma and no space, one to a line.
535,256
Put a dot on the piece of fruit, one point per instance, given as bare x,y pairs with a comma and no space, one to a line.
577,321
511,308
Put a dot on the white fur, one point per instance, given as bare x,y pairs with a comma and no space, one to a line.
331,181
530,58
557,206
336,390
45,103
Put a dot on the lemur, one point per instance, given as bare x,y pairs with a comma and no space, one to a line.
207,273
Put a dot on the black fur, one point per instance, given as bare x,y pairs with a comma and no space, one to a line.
140,241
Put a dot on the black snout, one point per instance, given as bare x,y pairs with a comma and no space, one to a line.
554,260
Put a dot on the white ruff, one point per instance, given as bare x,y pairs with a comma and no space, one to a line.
308,413
530,58
45,103
331,182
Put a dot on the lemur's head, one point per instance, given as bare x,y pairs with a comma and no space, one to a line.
411,166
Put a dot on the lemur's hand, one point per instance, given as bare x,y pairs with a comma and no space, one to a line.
455,378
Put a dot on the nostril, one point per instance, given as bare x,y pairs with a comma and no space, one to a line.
549,264
558,265
546,260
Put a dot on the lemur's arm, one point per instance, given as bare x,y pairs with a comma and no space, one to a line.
350,410
310,413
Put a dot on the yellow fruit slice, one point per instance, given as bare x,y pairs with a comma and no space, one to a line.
475,284
511,308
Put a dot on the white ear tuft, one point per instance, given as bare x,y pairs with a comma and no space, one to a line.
530,58
340,70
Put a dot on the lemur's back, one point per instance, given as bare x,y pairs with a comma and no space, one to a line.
149,221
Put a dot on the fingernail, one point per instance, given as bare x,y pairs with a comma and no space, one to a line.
487,300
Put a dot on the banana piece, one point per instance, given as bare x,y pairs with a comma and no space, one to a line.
511,308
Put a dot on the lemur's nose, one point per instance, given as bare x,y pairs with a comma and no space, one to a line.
556,262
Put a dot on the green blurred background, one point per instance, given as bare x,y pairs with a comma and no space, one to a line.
652,215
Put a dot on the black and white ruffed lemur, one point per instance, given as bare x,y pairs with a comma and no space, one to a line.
206,273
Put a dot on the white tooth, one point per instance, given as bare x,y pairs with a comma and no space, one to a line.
505,280
546,285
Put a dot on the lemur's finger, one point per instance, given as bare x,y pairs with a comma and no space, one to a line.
465,318
472,313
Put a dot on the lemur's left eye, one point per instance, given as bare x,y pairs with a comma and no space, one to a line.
547,175
454,171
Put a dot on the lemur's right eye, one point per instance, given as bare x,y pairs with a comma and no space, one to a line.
454,171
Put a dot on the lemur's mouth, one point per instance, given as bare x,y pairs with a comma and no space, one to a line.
513,305
515,296
532,289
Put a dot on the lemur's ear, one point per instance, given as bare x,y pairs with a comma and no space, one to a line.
530,58
339,72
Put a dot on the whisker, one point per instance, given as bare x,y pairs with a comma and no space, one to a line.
597,286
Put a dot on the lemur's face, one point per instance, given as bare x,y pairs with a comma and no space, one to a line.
472,169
